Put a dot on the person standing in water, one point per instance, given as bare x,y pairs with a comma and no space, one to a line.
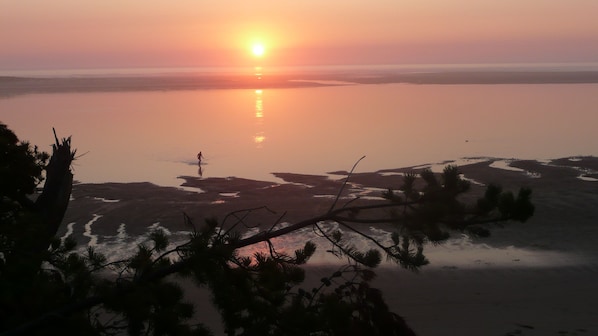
199,158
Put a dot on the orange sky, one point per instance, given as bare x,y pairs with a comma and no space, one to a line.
82,34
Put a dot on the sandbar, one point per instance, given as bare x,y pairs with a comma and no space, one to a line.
13,86
512,294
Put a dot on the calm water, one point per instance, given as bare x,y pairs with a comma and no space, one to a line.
155,136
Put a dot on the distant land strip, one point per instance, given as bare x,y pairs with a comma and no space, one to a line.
12,86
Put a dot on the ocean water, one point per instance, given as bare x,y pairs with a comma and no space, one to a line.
156,135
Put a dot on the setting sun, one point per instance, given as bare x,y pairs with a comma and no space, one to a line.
258,50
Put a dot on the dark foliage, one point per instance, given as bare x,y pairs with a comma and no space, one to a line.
48,287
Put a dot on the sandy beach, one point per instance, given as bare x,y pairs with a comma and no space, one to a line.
535,278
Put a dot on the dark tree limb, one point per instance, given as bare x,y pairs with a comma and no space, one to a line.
51,205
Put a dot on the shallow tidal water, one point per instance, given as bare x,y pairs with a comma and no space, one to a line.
155,136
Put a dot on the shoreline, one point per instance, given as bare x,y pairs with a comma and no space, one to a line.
13,86
533,278
564,192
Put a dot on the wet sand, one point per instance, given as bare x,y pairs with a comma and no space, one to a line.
508,293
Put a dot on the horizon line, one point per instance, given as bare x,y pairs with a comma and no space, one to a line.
220,69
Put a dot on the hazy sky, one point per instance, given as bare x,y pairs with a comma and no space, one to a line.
38,34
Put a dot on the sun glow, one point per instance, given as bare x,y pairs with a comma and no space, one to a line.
258,50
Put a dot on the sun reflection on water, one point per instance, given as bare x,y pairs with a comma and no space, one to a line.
259,136
259,104
258,72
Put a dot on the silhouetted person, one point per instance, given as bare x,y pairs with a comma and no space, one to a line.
199,157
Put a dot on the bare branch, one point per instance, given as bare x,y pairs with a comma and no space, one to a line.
246,212
344,184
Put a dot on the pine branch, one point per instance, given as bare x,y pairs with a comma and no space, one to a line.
344,184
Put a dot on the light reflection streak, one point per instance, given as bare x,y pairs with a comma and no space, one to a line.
259,105
259,136
258,72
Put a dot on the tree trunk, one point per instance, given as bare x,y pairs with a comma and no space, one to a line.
39,224
51,205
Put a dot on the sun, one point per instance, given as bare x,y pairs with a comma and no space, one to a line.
258,50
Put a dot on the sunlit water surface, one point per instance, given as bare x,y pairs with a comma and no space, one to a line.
155,136
250,133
